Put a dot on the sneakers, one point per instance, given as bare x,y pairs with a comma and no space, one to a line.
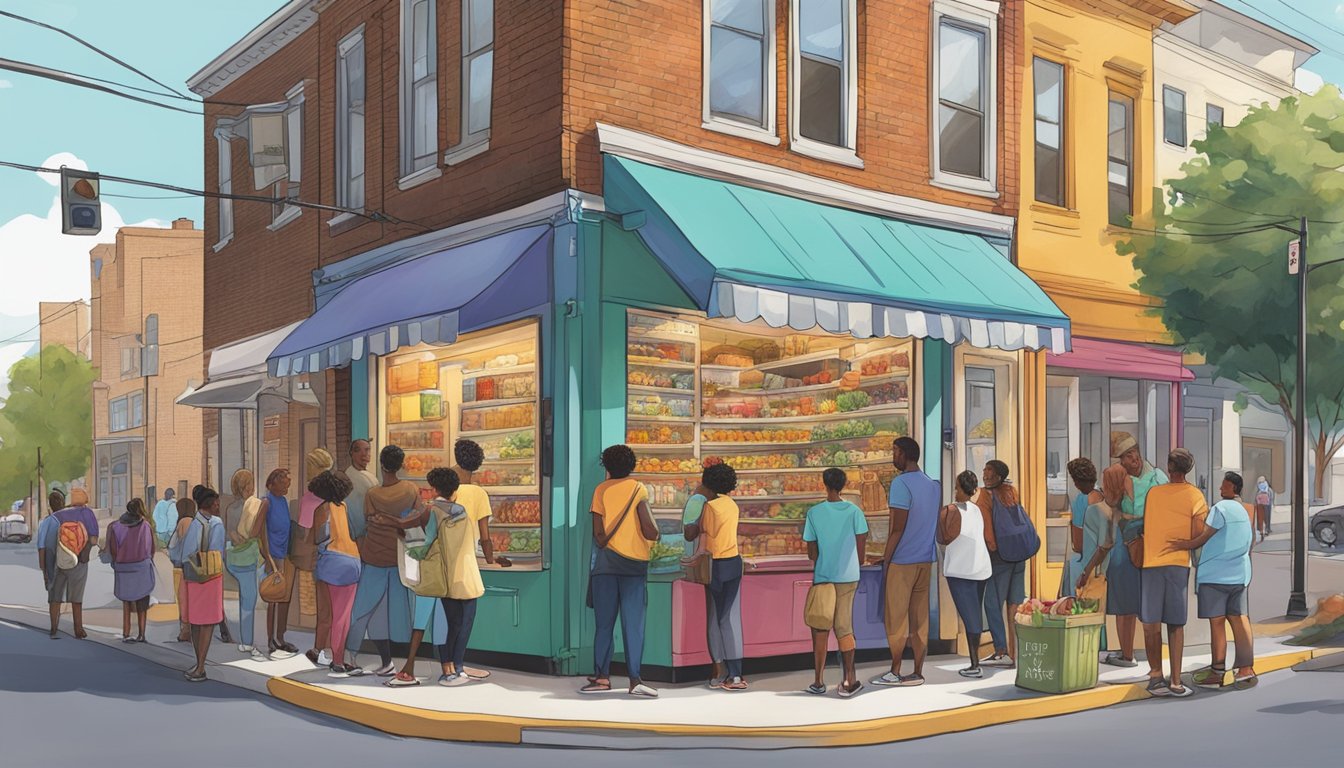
997,660
324,658
452,681
887,679
338,671
257,655
387,670
910,681
643,691
1116,660
817,689
972,672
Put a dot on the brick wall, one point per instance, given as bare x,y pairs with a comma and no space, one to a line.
638,65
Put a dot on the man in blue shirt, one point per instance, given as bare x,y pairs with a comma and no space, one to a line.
908,562
1221,580
165,516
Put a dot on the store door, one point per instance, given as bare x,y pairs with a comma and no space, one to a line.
1063,434
1199,441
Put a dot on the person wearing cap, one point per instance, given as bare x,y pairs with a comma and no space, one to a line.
317,461
67,585
1123,580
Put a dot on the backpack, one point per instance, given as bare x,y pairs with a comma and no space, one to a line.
71,538
1016,535
433,580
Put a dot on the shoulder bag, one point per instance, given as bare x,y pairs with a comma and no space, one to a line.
699,567
599,548
204,564
433,580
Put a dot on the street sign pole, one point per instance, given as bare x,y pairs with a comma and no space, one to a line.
1297,597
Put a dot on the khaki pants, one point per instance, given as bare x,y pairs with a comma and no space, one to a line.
906,613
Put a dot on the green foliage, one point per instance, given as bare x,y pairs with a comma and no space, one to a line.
50,406
1231,298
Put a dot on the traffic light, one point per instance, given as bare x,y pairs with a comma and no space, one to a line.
81,209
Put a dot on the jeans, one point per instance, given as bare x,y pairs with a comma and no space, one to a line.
969,598
461,616
382,608
627,597
723,614
1007,586
247,578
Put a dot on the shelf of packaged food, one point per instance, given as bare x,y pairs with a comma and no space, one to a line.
893,409
816,495
783,362
512,462
500,403
429,391
635,335
783,446
510,490
419,424
865,381
476,374
648,362
640,389
630,417
493,524
489,432
662,447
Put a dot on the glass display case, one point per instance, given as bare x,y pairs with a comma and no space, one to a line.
484,388
779,407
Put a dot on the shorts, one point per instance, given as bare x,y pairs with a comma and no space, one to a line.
837,618
1217,600
67,586
1162,595
907,602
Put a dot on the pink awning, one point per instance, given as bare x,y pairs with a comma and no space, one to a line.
1123,359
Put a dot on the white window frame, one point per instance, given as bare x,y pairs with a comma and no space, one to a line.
472,144
983,15
1166,117
344,49
113,424
289,187
224,170
848,154
417,170
134,400
768,133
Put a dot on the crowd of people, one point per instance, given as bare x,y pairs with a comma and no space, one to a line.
391,567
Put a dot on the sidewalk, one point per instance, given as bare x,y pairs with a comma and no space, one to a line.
518,708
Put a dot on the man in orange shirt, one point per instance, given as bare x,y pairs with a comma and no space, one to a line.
1175,514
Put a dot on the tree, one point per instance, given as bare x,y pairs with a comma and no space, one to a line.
1220,268
50,406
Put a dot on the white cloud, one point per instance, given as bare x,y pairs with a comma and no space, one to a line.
41,264
1308,81
9,355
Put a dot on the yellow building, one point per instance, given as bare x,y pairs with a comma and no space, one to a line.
1087,178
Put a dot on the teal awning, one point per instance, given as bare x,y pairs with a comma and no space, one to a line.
754,255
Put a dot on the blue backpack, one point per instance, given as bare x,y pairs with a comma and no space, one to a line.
1016,535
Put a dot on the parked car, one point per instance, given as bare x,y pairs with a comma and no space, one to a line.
1327,525
14,529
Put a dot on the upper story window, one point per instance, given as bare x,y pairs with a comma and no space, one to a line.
478,69
1173,116
137,409
419,87
1213,115
350,121
130,362
118,415
740,67
287,187
965,95
1120,159
824,95
225,172
1048,100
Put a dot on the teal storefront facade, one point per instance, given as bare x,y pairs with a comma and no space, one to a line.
708,254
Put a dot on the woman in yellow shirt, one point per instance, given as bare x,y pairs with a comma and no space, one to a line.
623,534
338,567
718,527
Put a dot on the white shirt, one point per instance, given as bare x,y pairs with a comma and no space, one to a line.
362,480
967,557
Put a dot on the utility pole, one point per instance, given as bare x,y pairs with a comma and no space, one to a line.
1297,596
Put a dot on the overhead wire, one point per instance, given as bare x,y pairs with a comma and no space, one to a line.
69,78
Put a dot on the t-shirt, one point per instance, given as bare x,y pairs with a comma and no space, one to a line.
719,523
918,493
476,502
695,507
459,533
1078,510
1226,558
338,529
277,526
379,546
362,481
609,501
1169,516
308,505
1150,478
165,515
833,526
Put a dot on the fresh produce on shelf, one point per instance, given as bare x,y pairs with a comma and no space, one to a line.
516,511
983,431
756,436
419,464
661,379
518,476
889,392
824,377
663,351
654,465
508,387
665,552
520,445
505,417
655,405
850,381
764,461
827,407
793,510
655,435
520,540
780,540
1034,610
843,431
417,439
852,401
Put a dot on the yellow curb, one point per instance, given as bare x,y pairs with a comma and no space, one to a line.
162,612
400,720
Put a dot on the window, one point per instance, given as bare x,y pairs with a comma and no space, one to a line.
964,135
225,167
478,69
130,362
137,409
1213,115
286,187
740,64
350,121
824,100
117,415
1173,116
1120,159
1048,78
419,89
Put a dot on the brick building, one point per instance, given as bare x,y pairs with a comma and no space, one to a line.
512,197
144,313
65,323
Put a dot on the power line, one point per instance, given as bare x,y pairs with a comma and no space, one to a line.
1308,18
147,197
93,48
79,80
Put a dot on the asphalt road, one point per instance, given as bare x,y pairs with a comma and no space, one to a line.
68,702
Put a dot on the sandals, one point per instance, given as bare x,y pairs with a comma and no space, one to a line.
1209,677
1246,683
816,689
846,691
974,673
910,681
597,686
735,684
402,680
192,677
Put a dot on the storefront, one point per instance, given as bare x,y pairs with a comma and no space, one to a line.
700,323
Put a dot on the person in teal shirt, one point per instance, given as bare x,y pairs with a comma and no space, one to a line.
1122,575
836,533
165,516
1221,581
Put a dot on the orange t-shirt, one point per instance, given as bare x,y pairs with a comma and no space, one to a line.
1169,515
609,502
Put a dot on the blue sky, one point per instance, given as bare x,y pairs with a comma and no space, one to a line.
1319,22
